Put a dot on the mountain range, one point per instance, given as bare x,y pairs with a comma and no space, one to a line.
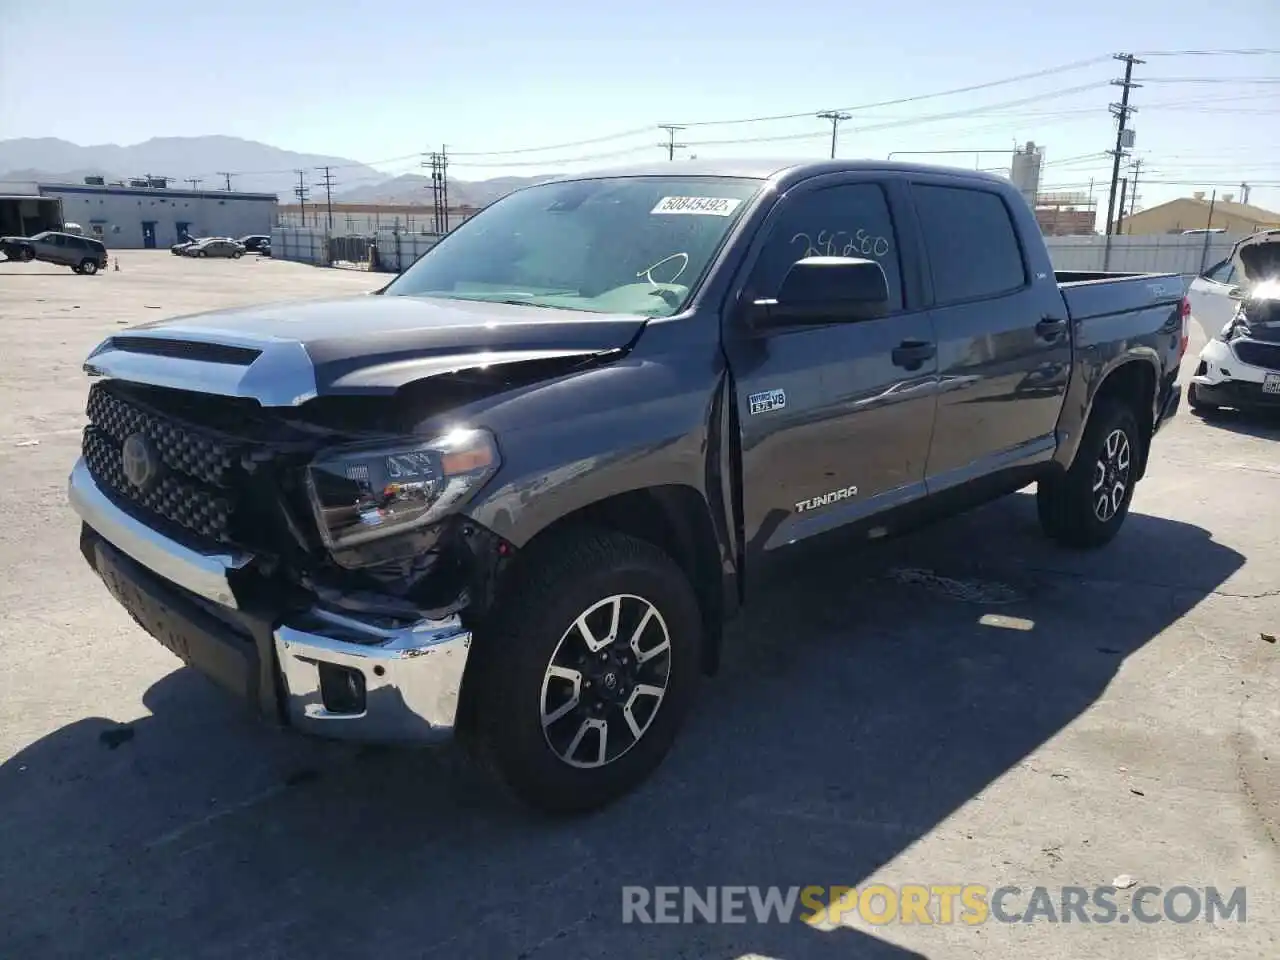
255,167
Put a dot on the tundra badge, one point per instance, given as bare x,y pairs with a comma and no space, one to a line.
767,402
844,493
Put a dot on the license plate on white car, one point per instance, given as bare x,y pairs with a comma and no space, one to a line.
1271,383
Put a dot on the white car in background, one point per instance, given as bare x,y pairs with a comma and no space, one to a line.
1238,301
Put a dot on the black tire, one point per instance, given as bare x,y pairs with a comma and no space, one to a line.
1069,510
27,255
237,254
76,268
201,253
88,267
1197,404
511,679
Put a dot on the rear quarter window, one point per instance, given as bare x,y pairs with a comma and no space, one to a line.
971,241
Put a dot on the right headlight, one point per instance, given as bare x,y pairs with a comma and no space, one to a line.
366,493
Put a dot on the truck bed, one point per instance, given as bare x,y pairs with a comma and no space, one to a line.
1092,294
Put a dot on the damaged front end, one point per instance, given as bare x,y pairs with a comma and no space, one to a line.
310,557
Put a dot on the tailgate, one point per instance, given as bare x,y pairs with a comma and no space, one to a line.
1105,295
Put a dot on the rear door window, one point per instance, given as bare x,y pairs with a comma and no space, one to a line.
971,241
845,220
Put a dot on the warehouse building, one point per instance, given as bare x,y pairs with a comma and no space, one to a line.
146,213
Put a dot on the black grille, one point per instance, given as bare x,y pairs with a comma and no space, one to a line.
204,480
204,512
183,448
1258,354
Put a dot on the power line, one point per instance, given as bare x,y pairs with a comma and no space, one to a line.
555,146
835,116
1248,52
1061,68
1211,80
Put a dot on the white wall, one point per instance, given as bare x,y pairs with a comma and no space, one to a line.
121,214
1159,253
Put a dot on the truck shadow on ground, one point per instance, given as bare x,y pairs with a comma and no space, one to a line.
858,707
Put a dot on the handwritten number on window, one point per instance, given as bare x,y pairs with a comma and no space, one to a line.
841,243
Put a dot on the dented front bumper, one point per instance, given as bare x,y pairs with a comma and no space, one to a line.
324,673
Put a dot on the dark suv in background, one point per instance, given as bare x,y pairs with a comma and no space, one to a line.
81,254
255,242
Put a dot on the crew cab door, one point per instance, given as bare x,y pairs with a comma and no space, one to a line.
1004,340
834,417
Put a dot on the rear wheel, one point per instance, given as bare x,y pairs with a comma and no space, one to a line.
88,266
1086,506
585,676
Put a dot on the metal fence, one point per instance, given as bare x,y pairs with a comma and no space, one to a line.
1159,253
394,249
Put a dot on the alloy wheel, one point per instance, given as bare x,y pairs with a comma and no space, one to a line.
1111,475
606,681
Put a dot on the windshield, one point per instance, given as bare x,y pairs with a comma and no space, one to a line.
636,245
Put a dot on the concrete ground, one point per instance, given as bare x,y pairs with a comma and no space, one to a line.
967,705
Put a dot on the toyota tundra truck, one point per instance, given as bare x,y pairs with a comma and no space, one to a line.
516,494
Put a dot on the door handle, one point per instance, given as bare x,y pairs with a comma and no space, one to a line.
1051,328
913,353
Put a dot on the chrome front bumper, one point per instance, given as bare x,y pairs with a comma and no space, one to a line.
411,676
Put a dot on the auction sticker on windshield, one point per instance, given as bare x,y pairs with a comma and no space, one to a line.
706,206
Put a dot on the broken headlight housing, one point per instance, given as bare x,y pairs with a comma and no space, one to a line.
361,494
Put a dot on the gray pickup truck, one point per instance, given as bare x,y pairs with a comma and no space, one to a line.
517,493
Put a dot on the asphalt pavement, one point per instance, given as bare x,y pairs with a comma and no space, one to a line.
969,704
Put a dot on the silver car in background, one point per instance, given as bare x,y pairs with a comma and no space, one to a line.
215,247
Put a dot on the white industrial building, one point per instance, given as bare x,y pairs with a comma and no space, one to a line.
141,214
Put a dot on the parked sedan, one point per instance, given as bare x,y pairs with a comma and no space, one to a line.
181,246
255,242
215,247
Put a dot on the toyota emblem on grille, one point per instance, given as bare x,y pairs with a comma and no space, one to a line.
141,461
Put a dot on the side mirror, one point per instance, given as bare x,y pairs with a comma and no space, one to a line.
1235,293
825,290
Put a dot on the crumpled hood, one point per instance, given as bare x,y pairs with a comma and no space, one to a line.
285,354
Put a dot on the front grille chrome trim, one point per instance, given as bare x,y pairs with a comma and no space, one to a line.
203,573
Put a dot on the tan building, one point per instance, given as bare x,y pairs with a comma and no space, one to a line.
1192,213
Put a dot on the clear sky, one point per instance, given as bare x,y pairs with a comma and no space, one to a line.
499,75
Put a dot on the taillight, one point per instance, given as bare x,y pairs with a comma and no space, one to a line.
1186,323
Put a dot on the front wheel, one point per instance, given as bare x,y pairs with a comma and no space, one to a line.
237,254
585,675
1086,506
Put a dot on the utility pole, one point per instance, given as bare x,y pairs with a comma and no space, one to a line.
223,173
671,146
439,164
835,116
1124,186
301,192
327,183
444,184
1121,112
1204,248
1244,193
1133,191
194,181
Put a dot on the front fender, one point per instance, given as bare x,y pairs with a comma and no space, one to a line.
633,424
